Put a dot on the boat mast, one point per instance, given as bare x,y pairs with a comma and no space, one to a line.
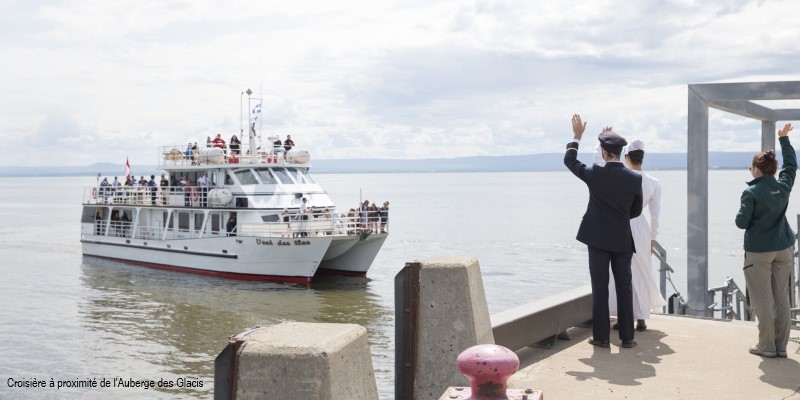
251,127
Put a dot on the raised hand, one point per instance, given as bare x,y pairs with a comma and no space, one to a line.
577,126
606,129
785,131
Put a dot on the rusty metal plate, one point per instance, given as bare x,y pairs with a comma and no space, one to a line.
465,393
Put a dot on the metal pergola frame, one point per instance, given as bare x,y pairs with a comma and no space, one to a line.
735,98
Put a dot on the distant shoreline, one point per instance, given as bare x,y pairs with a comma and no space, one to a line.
545,162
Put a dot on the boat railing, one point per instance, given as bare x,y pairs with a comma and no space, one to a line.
181,156
187,196
296,226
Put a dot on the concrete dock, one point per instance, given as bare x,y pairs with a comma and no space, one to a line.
678,357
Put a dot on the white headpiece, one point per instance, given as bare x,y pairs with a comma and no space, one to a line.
635,144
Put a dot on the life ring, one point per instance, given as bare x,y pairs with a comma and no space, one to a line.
94,193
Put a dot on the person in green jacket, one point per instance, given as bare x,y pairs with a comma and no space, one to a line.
767,245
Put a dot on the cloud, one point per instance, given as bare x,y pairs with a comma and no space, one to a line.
382,79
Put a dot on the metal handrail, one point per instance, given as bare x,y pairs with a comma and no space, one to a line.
735,304
663,269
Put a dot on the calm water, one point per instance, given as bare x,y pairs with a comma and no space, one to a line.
68,317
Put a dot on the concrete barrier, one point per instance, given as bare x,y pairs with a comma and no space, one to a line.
533,322
440,310
296,360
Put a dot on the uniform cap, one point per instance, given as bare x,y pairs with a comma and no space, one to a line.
610,140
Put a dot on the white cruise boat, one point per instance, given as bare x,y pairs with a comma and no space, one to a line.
188,227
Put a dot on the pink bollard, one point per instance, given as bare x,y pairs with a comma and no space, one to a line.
488,367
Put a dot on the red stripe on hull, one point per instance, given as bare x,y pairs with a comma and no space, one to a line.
326,271
228,275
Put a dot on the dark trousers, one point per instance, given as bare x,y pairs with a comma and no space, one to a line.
599,261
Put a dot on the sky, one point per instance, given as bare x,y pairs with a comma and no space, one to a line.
85,81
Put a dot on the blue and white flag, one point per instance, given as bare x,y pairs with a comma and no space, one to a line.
256,110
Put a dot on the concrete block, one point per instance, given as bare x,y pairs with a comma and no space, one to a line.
297,360
453,316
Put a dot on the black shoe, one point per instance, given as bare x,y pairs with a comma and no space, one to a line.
615,327
640,325
628,344
599,343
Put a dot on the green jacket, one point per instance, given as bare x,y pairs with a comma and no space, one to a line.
763,211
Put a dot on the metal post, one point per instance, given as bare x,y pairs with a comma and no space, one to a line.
697,206
406,314
767,135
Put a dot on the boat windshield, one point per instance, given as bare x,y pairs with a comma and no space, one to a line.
301,176
283,176
246,177
267,177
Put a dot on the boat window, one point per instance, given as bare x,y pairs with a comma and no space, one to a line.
267,177
167,221
283,176
198,221
270,218
246,177
183,221
308,177
298,175
90,214
216,221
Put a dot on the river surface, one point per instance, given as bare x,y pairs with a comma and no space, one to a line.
67,317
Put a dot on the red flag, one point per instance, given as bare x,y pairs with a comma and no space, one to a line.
127,169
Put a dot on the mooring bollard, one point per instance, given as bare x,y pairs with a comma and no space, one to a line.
488,367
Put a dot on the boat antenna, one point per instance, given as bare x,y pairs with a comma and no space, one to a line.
251,123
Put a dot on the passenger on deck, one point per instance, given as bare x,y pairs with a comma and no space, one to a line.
164,187
115,187
153,189
209,142
186,195
115,225
187,154
104,190
234,145
125,223
363,214
303,217
203,183
195,153
142,187
384,214
288,143
277,145
374,218
219,142
230,227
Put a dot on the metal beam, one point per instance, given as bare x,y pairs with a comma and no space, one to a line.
745,109
744,91
786,114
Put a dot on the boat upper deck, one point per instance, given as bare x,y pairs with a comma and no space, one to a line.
678,357
191,158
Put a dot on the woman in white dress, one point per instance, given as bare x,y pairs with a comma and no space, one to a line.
646,292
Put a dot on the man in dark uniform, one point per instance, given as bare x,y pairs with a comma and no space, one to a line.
615,196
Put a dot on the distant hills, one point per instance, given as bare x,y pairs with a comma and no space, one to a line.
523,163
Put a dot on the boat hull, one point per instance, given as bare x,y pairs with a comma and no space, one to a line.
250,258
352,255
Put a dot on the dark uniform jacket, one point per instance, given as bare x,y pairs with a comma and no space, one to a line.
763,209
615,196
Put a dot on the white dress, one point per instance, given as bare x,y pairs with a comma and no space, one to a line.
644,275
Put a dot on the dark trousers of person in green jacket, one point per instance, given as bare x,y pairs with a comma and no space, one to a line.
767,244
